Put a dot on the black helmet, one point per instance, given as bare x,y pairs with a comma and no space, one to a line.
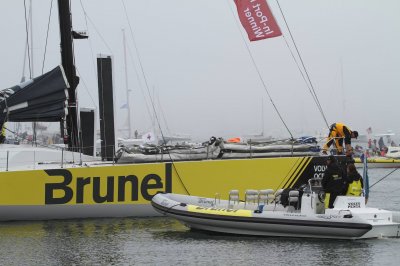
355,134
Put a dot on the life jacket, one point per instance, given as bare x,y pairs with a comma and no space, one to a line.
337,129
354,188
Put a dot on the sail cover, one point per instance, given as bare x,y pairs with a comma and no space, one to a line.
40,99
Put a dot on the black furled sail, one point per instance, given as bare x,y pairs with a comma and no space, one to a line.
43,99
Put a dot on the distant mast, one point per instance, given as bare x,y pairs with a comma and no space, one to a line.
127,88
67,59
343,91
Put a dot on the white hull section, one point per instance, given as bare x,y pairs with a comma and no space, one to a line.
381,231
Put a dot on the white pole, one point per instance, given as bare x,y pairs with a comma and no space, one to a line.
34,141
127,88
31,20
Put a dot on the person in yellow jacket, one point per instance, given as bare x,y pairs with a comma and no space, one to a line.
337,133
355,181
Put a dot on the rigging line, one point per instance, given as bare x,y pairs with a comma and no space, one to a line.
93,60
304,67
164,143
27,41
138,55
298,67
162,113
47,36
139,82
89,39
141,68
98,32
86,87
258,72
148,91
384,177
309,83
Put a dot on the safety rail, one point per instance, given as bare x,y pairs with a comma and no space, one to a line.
31,158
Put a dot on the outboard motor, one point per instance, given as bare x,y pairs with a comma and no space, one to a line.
313,197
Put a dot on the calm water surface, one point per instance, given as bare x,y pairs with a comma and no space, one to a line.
163,241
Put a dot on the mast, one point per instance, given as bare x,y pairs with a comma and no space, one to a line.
262,117
32,67
127,88
34,133
67,60
343,91
31,28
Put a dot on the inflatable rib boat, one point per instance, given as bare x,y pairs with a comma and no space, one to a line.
262,213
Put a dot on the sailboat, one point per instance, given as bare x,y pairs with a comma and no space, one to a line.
64,189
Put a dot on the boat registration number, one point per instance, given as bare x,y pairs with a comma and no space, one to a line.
351,205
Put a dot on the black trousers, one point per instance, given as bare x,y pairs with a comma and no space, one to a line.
332,198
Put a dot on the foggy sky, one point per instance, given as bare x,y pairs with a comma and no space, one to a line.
199,72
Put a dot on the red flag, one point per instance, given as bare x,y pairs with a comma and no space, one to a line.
257,19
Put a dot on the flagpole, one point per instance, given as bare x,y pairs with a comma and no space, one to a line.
365,177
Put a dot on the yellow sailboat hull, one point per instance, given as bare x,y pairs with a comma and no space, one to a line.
126,190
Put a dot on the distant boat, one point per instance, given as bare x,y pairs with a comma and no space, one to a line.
390,160
393,152
379,162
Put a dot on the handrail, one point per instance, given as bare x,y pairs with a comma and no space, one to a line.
22,157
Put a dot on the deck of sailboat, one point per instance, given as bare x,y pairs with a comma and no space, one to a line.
28,157
24,158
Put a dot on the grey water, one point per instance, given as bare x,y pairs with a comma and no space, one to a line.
164,241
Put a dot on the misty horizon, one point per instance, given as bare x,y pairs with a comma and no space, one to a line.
200,76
